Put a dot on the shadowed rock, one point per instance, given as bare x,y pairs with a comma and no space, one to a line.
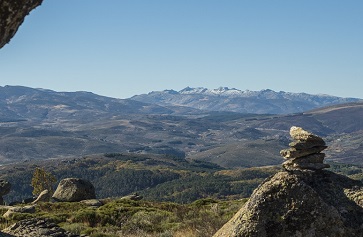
12,15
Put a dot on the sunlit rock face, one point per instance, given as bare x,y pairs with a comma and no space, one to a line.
12,15
304,151
303,200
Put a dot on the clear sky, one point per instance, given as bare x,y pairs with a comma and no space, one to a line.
120,48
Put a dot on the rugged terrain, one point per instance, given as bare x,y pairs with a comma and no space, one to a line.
301,204
48,124
302,200
234,100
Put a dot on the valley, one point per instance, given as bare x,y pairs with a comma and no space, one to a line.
56,125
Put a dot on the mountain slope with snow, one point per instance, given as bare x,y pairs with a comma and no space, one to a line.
234,100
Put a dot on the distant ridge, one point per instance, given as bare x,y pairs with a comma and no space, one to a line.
235,100
43,124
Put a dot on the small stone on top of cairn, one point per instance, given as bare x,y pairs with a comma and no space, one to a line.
304,151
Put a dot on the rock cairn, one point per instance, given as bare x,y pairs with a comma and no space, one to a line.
304,151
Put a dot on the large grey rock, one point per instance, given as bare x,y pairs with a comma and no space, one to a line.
74,190
301,203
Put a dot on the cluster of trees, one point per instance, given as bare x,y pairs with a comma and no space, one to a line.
155,178
161,178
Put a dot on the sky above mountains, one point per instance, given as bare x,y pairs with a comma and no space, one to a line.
120,48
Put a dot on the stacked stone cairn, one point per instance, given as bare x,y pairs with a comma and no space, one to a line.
304,152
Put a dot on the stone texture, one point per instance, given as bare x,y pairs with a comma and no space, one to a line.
295,153
74,190
12,15
304,151
37,227
300,134
92,202
301,203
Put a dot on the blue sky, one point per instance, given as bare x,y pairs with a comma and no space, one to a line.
120,48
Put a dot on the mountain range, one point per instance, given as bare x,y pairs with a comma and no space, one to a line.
44,124
234,100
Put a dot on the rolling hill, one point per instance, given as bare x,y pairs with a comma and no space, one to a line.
43,124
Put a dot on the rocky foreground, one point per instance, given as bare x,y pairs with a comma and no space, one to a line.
302,201
36,228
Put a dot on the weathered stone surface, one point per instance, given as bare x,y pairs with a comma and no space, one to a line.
313,162
301,203
300,134
304,151
25,209
301,145
44,196
92,202
288,165
294,153
37,227
12,14
74,190
313,158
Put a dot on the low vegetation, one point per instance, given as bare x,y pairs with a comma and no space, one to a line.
119,217
181,197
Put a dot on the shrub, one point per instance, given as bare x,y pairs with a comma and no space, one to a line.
42,180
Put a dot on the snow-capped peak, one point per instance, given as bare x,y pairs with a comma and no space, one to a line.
222,91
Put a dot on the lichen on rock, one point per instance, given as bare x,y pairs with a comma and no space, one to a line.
301,201
305,151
